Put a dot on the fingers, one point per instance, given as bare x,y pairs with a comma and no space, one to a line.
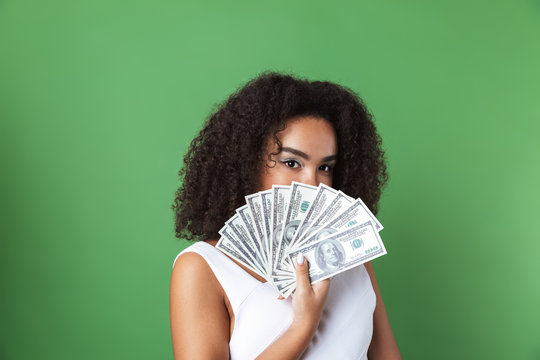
322,287
302,274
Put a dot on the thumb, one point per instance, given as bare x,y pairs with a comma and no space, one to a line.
302,274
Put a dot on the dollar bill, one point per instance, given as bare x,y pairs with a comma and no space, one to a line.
340,202
266,200
356,213
325,194
254,202
301,197
341,251
287,268
285,287
280,197
249,226
374,220
238,232
232,247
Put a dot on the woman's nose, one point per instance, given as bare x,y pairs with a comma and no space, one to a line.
310,178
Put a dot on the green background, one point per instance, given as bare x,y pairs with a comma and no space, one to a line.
99,100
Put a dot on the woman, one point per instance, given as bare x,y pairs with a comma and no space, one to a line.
274,130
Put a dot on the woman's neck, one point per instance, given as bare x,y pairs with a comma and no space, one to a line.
212,242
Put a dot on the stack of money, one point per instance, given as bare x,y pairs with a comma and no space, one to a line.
333,231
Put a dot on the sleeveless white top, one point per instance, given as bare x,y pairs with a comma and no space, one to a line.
345,328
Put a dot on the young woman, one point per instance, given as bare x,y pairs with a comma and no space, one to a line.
275,130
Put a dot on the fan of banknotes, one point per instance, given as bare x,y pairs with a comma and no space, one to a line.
333,231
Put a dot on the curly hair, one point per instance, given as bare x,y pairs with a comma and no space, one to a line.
223,163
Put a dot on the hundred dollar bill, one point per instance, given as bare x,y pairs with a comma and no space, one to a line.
240,233
325,194
280,197
231,239
254,202
338,204
280,283
266,199
301,197
374,220
231,246
355,214
285,287
287,268
341,251
249,225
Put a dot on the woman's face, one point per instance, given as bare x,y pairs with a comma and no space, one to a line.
309,153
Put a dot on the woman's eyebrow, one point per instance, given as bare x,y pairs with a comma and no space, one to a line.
329,158
296,152
306,156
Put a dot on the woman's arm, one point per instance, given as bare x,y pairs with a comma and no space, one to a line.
199,317
383,344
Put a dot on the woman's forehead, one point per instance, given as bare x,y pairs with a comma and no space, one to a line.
312,136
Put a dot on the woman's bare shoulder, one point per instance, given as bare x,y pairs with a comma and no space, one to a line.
190,264
191,276
199,318
190,267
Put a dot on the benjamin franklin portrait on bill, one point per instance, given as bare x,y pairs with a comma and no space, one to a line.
329,255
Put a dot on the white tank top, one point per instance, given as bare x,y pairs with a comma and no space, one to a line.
345,328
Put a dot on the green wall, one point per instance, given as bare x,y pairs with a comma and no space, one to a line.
99,100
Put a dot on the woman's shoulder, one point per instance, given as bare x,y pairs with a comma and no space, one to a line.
191,262
192,279
191,269
197,310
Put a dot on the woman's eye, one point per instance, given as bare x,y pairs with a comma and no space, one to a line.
291,163
325,168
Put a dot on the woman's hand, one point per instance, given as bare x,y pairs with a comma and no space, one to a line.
308,301
308,304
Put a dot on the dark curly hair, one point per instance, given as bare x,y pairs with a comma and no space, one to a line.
223,162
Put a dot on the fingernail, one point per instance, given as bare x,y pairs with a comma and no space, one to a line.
300,259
